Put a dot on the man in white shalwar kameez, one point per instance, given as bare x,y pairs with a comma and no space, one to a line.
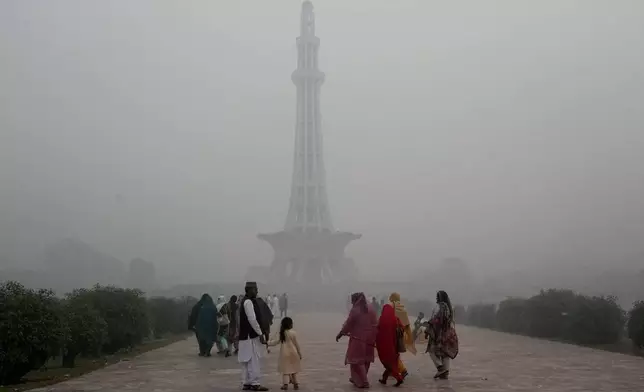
251,340
275,306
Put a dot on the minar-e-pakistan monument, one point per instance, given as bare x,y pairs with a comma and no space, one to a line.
309,250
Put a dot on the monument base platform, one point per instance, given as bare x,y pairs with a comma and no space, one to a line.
310,257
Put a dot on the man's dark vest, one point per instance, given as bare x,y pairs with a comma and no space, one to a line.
246,331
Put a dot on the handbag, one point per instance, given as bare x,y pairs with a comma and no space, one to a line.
223,320
400,340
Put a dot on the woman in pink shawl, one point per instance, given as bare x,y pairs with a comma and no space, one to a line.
361,327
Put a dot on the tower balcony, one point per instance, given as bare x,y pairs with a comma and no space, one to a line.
308,39
300,75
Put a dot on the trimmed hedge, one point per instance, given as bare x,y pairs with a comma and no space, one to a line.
561,315
635,325
35,326
85,329
481,315
30,330
169,315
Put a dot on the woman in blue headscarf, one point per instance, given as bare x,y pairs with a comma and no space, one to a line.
207,325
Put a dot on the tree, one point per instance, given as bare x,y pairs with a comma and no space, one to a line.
482,315
169,315
85,330
548,313
635,324
126,314
30,330
594,320
459,313
511,316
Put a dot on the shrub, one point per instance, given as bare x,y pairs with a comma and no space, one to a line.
169,315
482,315
126,315
511,316
547,313
85,328
30,330
594,320
635,325
459,313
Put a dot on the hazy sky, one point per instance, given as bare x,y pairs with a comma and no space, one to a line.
509,133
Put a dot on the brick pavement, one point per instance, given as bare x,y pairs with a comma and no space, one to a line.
488,361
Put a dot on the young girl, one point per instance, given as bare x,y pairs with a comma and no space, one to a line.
290,354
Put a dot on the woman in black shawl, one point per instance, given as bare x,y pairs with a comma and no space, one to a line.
233,308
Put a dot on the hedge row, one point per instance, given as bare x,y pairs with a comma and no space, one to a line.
562,315
36,326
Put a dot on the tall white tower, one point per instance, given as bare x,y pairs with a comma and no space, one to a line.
309,250
308,207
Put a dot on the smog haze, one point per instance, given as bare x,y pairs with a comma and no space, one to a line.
508,134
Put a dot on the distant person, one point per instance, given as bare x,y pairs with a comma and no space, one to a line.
192,319
386,343
240,301
251,338
418,323
376,305
269,301
361,327
290,354
223,318
233,308
408,340
275,305
442,343
207,326
283,304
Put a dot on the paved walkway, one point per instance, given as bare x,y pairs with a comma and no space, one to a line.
488,361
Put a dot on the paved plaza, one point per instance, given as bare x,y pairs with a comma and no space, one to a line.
488,361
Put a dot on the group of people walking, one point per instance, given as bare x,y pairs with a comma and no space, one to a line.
391,334
216,324
245,322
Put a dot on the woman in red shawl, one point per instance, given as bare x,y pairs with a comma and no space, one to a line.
386,344
361,328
